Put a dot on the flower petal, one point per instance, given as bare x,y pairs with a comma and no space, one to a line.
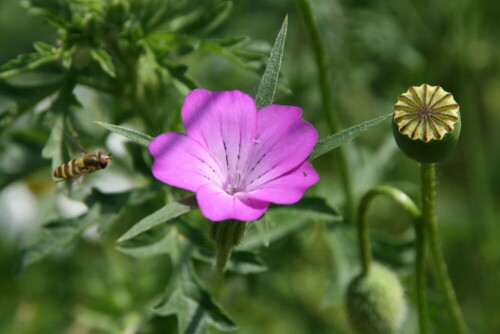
182,162
225,122
284,141
288,188
217,205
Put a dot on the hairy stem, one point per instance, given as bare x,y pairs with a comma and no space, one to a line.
428,188
325,84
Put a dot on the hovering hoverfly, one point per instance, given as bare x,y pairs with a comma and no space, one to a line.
86,164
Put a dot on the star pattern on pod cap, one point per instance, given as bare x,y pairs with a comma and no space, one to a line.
426,113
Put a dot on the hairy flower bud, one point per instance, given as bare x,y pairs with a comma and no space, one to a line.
426,123
375,303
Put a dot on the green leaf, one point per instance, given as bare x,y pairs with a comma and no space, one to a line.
56,234
186,298
104,210
140,249
267,87
241,261
31,61
286,219
327,144
53,149
137,137
60,107
220,15
168,212
104,60
183,82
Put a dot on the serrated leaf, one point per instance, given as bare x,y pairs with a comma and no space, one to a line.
168,212
135,136
186,298
267,87
57,234
327,144
104,60
27,62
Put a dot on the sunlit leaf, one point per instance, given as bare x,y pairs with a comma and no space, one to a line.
168,212
137,137
267,87
327,144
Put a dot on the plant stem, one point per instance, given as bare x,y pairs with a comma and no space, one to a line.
222,255
421,236
364,242
428,188
325,84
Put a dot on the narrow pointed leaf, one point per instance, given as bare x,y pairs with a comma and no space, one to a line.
104,60
137,137
267,87
168,212
327,144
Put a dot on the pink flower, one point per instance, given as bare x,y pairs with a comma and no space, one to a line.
236,158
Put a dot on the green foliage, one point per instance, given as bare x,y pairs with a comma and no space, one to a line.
267,88
138,257
329,143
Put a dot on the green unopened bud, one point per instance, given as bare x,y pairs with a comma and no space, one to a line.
375,303
226,234
426,123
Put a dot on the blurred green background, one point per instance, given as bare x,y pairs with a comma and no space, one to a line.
377,50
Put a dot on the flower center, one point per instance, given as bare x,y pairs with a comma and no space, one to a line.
233,184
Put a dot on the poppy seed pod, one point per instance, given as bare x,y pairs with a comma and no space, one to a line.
375,302
426,123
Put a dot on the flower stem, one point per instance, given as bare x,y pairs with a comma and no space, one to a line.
222,255
364,242
325,83
226,235
428,188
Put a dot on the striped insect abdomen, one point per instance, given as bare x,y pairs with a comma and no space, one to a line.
76,167
68,170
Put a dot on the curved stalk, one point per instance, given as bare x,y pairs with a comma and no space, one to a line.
365,249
